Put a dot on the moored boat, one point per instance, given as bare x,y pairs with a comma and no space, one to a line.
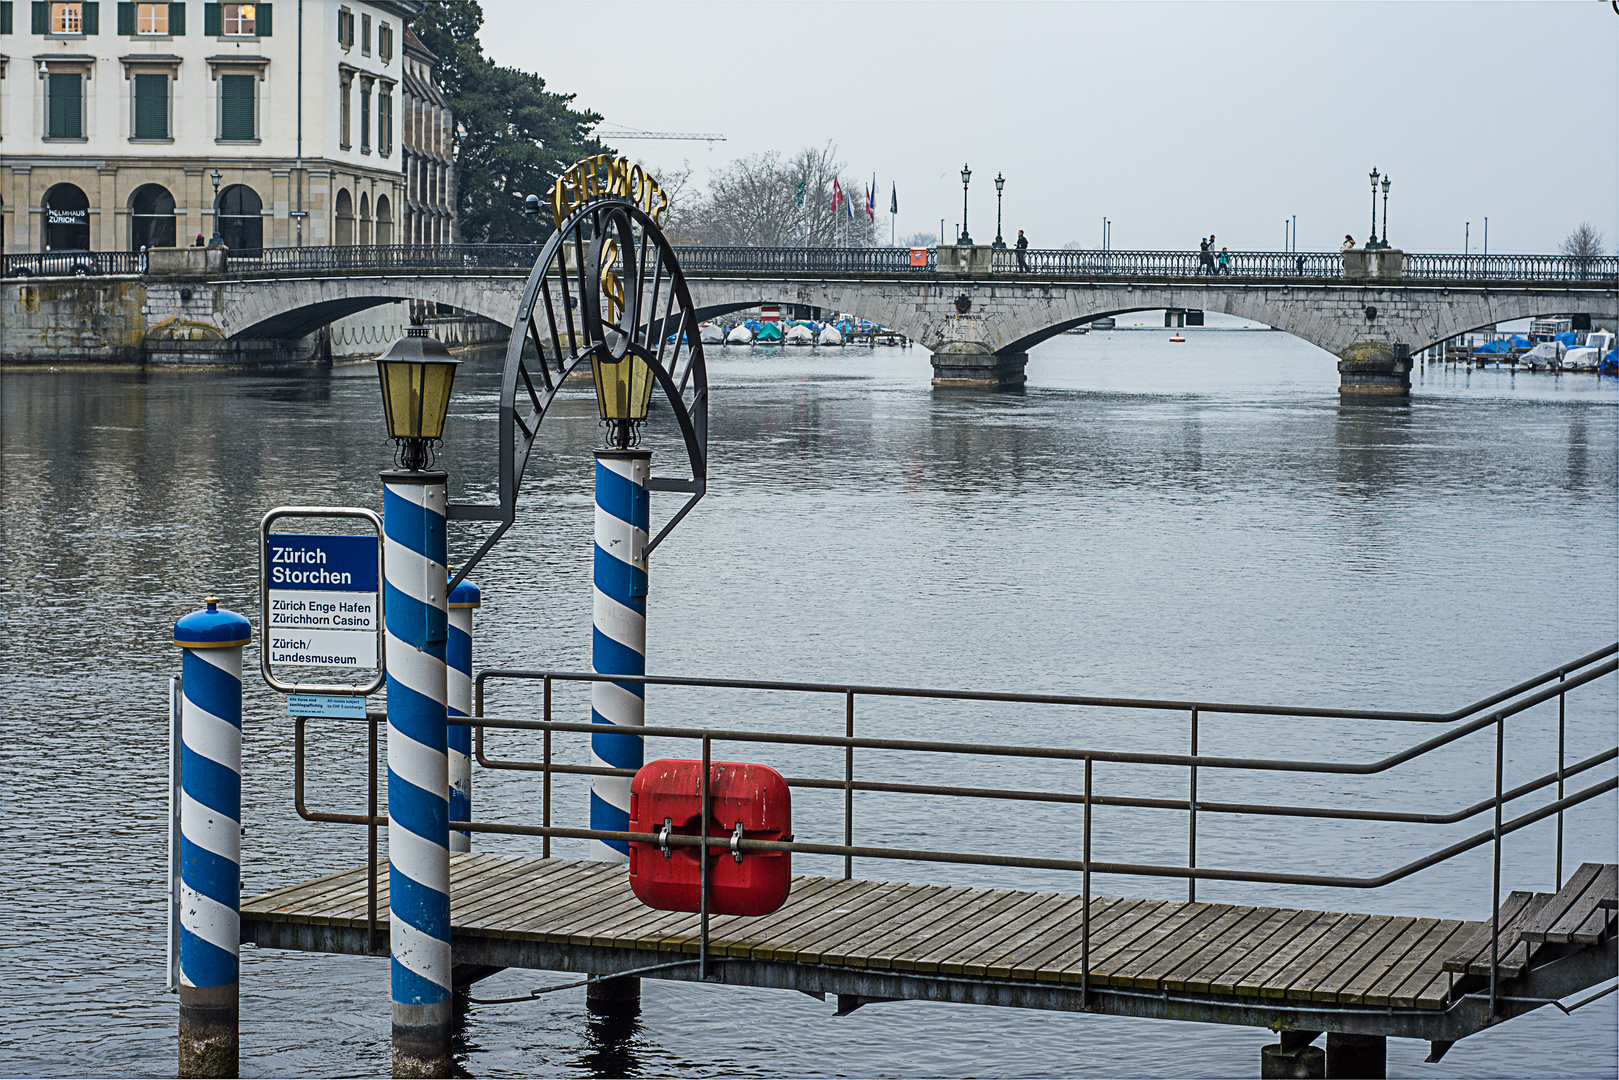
830,335
740,335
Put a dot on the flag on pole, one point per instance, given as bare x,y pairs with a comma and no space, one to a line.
893,200
803,186
837,195
871,199
848,208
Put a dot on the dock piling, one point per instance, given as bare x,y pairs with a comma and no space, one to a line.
210,839
465,599
414,507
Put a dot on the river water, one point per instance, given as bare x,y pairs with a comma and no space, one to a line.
1144,518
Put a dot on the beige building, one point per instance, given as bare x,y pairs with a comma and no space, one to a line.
116,116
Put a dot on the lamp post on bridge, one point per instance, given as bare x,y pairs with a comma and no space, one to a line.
417,373
1372,243
1386,183
966,177
1000,185
216,240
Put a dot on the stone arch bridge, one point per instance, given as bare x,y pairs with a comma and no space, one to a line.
978,320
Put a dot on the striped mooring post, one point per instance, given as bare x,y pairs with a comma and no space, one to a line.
414,506
210,838
618,647
464,599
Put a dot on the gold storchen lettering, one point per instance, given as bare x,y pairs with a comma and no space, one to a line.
603,177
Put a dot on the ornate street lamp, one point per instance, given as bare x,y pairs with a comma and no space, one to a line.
417,372
1000,185
216,240
966,177
623,389
1372,243
1386,211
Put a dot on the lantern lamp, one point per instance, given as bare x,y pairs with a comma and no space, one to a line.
623,391
417,372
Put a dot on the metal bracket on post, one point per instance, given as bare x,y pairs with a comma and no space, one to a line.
736,843
663,836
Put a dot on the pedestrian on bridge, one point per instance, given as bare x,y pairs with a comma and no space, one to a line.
1022,246
1225,261
1205,262
1348,244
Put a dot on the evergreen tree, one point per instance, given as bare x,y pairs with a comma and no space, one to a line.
515,136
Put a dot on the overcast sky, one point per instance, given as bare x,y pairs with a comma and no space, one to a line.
1173,119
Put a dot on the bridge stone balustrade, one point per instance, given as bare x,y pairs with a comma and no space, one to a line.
978,325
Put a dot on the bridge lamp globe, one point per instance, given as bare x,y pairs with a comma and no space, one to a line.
417,372
623,391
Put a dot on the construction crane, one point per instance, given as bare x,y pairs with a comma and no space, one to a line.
692,136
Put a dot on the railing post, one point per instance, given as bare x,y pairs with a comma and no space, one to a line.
702,852
1191,820
371,838
1561,715
545,851
1085,942
848,786
1495,905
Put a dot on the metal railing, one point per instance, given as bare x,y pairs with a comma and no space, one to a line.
1489,713
72,264
856,262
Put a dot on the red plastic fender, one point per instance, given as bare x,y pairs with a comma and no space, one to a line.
752,796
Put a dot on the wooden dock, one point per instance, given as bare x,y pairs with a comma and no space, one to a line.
865,941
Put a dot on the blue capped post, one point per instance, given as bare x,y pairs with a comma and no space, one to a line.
210,838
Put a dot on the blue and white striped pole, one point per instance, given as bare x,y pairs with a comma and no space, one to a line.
618,637
463,601
618,647
414,506
210,838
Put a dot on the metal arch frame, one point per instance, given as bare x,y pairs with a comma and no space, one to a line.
633,330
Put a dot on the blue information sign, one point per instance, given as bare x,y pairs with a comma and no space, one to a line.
328,563
349,708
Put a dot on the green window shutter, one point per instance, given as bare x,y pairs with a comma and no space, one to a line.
66,107
92,18
126,18
151,106
177,20
211,20
5,16
261,20
42,17
236,107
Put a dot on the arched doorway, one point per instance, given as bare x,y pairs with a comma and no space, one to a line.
67,219
240,220
151,217
365,219
385,221
345,218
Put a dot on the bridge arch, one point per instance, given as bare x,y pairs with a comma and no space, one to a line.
293,308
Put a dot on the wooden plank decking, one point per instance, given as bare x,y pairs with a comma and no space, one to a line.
1273,956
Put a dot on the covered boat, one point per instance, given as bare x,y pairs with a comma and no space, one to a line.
740,335
798,334
769,334
711,333
831,336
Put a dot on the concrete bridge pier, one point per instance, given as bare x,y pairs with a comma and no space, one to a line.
1372,369
973,364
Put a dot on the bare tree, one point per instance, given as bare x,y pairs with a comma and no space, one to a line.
1583,242
754,202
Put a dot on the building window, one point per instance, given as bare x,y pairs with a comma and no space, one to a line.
151,106
237,122
151,221
385,121
365,116
67,18
241,20
365,35
345,28
345,218
385,221
152,19
67,219
385,42
64,106
241,220
344,109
